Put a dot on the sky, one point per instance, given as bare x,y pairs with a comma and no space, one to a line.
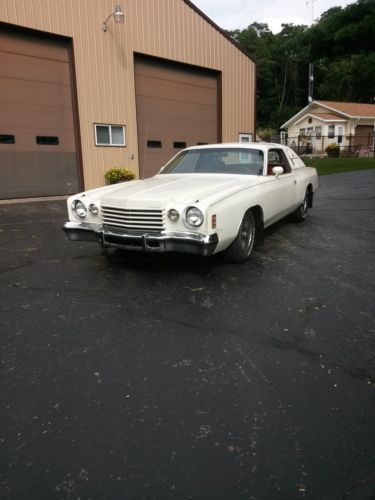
239,14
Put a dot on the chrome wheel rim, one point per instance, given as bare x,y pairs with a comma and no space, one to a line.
304,207
247,234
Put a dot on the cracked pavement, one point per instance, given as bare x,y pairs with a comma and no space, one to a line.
133,376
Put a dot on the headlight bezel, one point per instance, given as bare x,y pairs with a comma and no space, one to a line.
173,215
94,209
198,213
79,209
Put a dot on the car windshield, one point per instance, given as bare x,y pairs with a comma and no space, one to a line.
231,160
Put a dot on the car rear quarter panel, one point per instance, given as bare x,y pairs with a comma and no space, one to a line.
305,176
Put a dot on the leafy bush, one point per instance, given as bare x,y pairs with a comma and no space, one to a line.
115,175
266,133
333,148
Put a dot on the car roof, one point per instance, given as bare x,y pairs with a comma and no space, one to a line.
263,146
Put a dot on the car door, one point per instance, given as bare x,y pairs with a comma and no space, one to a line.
282,189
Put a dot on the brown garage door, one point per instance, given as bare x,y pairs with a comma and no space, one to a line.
177,106
364,136
37,139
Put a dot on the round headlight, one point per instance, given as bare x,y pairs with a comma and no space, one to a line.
79,209
173,215
93,209
194,217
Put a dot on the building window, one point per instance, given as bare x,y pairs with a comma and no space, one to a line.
340,133
47,140
179,145
154,144
302,132
331,131
318,132
109,135
245,137
309,131
7,139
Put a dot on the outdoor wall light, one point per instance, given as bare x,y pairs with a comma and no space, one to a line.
118,16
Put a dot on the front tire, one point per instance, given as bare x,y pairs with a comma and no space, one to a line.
241,248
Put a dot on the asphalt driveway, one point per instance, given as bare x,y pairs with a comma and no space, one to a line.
176,377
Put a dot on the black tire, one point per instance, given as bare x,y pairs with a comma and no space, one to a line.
301,213
241,248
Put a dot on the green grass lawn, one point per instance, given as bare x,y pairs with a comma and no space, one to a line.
326,166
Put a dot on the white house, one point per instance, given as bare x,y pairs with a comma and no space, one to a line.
348,124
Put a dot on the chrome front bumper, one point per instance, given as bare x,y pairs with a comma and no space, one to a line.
201,244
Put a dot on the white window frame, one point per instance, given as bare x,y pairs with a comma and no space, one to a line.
245,138
340,134
110,144
309,131
331,131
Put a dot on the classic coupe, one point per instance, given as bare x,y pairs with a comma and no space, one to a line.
205,200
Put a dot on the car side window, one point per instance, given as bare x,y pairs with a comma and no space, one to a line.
277,158
285,163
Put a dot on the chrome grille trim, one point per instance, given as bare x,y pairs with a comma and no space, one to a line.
133,219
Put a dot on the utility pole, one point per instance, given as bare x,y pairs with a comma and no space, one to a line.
311,2
311,83
311,66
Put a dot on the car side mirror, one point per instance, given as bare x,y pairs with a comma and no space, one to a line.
277,171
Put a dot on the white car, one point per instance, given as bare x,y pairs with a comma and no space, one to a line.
205,200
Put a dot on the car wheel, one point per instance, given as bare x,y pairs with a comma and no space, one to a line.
301,213
241,248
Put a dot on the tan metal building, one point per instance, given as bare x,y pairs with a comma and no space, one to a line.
78,97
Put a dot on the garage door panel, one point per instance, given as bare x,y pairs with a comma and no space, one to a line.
153,162
34,69
166,128
185,92
169,72
167,110
37,93
167,135
25,140
35,117
46,48
38,174
364,136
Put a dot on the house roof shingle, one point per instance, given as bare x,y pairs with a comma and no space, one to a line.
350,108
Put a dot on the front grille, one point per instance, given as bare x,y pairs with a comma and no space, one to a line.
133,219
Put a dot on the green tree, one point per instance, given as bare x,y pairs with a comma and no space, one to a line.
349,79
278,59
341,44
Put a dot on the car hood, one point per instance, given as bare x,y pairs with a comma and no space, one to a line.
179,188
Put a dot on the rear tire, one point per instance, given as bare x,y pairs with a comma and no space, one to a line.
301,213
241,248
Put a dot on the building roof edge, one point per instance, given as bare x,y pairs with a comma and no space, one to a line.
220,30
